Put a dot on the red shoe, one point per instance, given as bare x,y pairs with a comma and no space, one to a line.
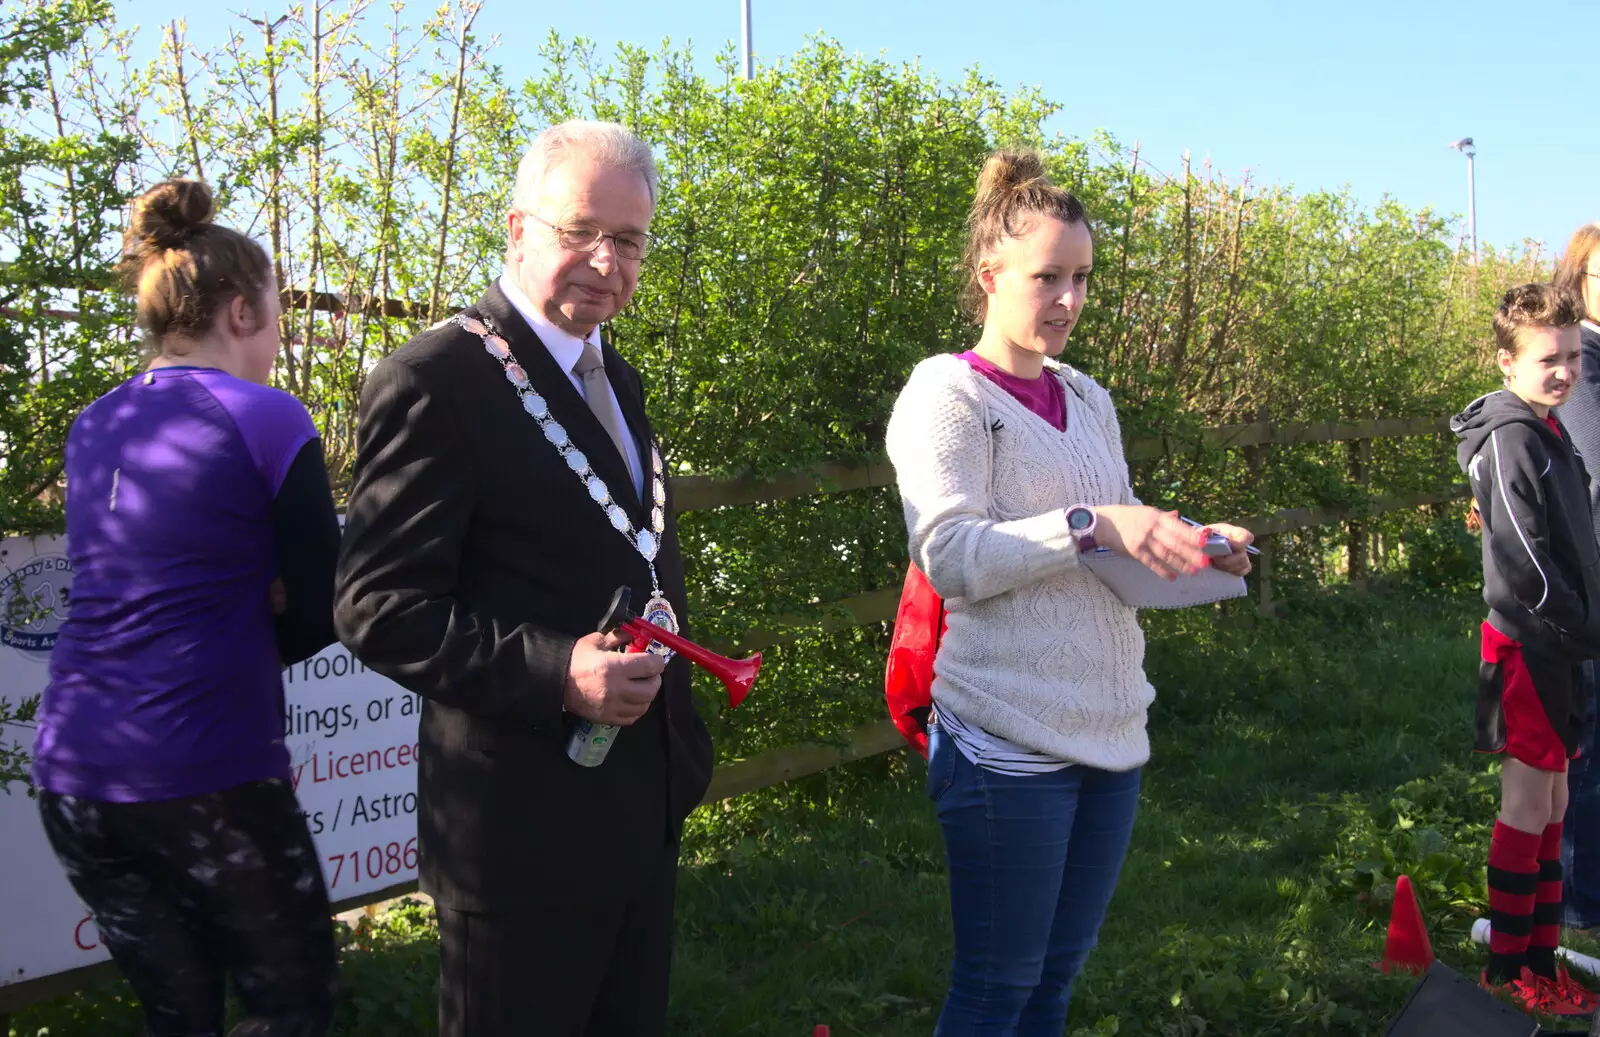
1535,995
1574,990
1566,999
1523,991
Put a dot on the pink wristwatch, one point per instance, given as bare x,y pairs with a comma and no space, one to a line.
1081,521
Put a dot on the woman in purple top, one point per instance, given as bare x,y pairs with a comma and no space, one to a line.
203,541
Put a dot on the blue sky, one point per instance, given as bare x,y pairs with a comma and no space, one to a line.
1299,92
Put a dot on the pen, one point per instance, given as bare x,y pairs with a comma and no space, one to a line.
1252,549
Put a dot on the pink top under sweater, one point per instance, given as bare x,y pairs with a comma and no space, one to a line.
1044,396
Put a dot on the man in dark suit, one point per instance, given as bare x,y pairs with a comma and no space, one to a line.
507,482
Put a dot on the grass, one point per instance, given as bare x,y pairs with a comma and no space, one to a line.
1299,765
1255,894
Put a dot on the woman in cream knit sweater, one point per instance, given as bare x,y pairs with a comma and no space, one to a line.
1009,464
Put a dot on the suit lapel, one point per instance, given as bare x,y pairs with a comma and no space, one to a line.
567,405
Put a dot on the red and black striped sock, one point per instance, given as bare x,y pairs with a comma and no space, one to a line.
1546,932
1513,884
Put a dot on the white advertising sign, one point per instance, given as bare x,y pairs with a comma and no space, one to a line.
352,735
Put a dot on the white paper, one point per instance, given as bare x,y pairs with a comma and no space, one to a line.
1139,586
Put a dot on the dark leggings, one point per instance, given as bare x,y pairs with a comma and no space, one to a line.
189,892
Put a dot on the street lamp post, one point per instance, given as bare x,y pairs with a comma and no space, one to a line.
744,23
1466,147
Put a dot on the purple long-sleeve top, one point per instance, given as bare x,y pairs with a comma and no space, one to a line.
166,681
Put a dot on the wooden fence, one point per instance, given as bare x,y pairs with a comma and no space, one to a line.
698,492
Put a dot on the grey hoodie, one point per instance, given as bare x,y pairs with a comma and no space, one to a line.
1580,415
1541,567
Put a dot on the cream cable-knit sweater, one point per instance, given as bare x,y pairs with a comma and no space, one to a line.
1038,650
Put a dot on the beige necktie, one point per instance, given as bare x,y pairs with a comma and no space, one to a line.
591,367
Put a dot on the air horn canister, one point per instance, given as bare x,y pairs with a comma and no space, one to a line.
590,741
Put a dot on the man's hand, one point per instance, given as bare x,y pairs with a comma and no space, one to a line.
610,687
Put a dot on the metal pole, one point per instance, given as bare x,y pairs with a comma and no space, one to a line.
1466,146
744,22
1472,208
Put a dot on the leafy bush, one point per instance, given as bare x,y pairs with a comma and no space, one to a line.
389,972
1442,555
1435,830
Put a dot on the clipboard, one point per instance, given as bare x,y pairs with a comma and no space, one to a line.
1139,587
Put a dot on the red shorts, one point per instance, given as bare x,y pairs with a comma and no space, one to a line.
1530,706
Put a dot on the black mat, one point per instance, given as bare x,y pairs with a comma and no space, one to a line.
1447,1004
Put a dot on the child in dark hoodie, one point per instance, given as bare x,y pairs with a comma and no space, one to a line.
1541,580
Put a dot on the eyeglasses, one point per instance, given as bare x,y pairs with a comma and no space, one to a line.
582,237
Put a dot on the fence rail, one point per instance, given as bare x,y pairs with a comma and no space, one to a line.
698,492
878,605
334,303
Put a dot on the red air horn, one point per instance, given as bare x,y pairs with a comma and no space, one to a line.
737,675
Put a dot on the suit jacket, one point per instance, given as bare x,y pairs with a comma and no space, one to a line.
473,559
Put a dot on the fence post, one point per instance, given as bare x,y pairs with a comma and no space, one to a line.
1356,541
1255,459
1266,604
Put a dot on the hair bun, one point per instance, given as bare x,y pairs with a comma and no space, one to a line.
166,215
1007,171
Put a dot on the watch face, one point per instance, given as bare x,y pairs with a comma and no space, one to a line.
1080,519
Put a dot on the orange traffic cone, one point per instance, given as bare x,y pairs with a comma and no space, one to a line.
1407,946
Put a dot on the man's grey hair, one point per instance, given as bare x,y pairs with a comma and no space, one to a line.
608,143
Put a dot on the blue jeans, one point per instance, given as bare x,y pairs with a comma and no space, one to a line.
1580,834
1033,863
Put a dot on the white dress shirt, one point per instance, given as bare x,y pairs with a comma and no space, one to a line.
567,349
